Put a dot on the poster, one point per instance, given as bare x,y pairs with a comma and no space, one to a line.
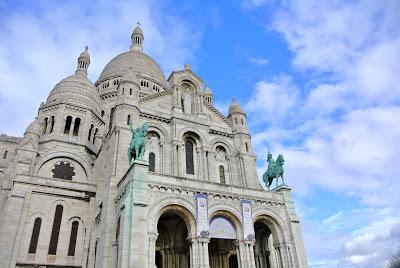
202,213
247,215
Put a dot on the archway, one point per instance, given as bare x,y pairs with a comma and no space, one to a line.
222,248
172,247
263,246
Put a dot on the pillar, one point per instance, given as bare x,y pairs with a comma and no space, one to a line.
200,252
152,249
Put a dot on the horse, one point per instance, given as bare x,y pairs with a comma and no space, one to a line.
138,143
275,170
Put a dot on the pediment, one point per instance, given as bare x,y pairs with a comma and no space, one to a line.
160,101
216,116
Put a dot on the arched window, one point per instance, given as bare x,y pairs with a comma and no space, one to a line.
90,132
111,118
189,157
128,120
52,124
247,147
68,124
76,126
35,236
5,154
241,119
221,174
72,238
130,91
94,135
152,162
55,232
45,125
236,121
102,113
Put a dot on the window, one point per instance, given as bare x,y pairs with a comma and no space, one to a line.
128,120
76,126
68,124
45,125
55,232
35,236
111,118
241,119
189,157
72,238
130,91
94,135
221,174
90,132
152,162
5,154
52,124
247,147
236,121
102,113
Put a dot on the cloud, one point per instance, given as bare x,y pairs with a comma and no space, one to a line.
271,101
259,61
339,132
40,42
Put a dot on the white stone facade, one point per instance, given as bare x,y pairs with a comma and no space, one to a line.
68,197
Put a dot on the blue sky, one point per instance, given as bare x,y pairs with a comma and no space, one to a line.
318,79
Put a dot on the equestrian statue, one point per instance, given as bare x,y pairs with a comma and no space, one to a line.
274,171
138,143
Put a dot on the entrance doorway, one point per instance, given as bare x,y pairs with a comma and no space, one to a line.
222,253
263,246
172,247
222,249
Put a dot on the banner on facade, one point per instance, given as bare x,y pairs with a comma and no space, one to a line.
247,215
202,214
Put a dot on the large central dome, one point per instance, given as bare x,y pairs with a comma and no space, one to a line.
135,61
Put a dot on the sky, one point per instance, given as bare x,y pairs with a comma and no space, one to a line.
319,81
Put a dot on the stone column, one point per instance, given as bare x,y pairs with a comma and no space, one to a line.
152,249
200,252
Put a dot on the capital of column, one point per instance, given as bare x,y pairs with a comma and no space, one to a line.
153,236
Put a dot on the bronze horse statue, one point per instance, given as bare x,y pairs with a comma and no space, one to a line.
138,143
274,171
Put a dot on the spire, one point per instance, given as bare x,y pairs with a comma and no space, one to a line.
235,107
83,63
137,38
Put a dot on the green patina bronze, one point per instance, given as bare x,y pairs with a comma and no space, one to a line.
274,171
138,143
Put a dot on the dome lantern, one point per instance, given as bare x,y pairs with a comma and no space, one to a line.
137,38
83,63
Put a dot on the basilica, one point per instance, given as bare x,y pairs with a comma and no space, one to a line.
71,197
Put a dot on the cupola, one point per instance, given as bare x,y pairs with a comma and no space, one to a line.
137,38
83,63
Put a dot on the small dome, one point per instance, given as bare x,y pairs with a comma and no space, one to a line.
235,107
208,91
137,30
136,61
85,53
33,128
76,89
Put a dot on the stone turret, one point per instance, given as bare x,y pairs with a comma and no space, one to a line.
83,63
242,140
137,39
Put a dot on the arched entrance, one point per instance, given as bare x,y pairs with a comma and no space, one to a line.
222,249
172,247
263,246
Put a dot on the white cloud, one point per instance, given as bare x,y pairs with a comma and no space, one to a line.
259,61
39,46
272,100
341,132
